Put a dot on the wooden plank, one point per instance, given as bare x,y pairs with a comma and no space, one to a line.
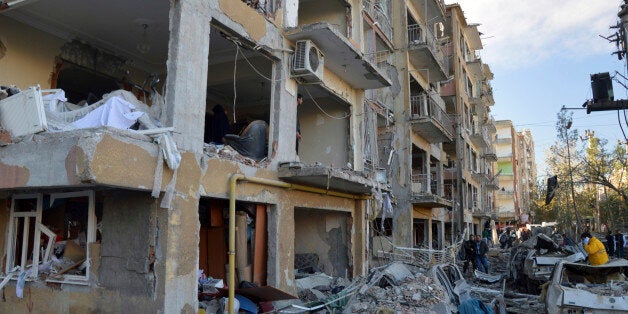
242,250
216,253
261,246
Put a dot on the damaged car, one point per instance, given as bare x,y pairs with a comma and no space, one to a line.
532,262
581,288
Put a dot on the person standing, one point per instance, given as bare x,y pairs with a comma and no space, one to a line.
469,254
595,249
610,243
619,244
299,136
480,254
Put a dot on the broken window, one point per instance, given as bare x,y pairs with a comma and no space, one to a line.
52,231
238,104
321,241
325,128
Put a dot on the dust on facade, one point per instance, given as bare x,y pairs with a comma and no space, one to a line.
149,156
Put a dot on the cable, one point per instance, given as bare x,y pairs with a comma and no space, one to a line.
257,71
235,69
621,126
321,109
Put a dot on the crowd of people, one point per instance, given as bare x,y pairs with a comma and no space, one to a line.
474,250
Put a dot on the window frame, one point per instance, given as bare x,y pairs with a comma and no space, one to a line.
40,228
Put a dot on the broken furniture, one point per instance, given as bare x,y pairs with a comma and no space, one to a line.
252,140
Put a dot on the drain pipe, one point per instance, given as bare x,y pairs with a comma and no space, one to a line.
233,181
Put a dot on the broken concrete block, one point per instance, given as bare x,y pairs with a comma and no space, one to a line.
314,280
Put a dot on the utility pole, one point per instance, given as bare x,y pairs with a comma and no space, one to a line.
573,193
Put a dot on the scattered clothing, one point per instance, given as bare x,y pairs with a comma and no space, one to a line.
115,112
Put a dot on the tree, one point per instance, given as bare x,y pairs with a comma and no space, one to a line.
607,169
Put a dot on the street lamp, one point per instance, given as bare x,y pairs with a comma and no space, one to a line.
573,193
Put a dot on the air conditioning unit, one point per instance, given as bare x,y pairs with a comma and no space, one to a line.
308,62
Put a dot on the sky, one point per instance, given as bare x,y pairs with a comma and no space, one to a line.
542,54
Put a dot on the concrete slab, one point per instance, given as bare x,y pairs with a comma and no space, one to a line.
326,178
341,57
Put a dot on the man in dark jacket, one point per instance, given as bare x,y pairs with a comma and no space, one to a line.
480,254
619,244
469,254
610,243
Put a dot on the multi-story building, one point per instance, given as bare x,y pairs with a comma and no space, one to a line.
395,111
526,167
507,196
517,172
141,228
468,97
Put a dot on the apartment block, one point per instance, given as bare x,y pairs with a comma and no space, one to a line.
147,144
515,161
469,97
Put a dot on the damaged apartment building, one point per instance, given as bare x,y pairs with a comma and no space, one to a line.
116,194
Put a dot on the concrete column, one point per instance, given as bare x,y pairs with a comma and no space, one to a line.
429,232
291,13
441,234
185,111
186,84
283,117
357,131
401,175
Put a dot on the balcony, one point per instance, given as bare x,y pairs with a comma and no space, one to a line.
490,125
431,10
488,74
341,56
325,177
477,176
479,137
503,140
429,120
266,8
425,52
489,153
375,11
505,193
424,194
480,212
474,64
488,97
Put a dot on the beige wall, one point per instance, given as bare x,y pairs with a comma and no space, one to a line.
30,55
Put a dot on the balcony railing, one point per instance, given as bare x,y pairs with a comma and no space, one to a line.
381,59
423,105
377,13
419,35
265,7
420,184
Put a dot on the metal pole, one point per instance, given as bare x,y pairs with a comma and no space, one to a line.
573,193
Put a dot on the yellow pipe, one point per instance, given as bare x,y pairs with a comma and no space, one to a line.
233,180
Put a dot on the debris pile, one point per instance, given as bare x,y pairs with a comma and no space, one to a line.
229,153
402,288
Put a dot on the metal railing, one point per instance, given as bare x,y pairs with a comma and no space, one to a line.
376,12
420,35
265,7
424,106
380,58
420,184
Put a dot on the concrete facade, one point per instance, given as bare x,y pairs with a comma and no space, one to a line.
395,98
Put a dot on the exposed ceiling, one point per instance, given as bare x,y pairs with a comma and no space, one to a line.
114,25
